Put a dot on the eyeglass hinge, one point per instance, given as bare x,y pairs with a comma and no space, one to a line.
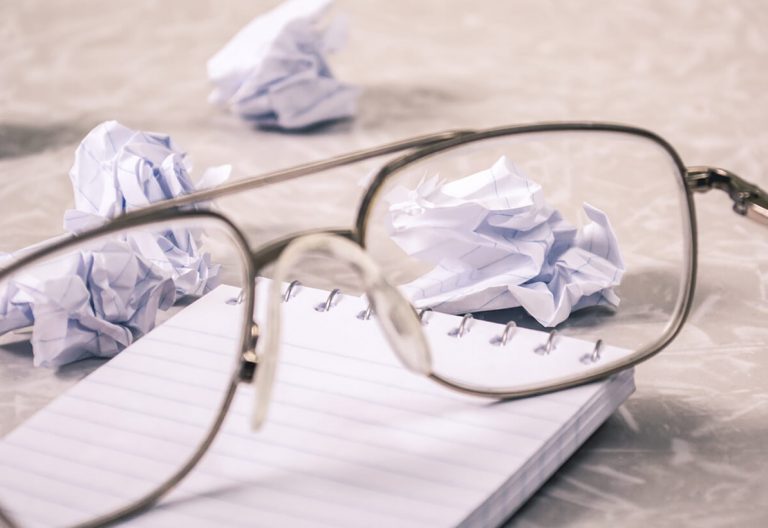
249,361
748,199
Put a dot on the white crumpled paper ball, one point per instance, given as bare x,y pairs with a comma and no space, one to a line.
118,169
274,71
495,243
96,301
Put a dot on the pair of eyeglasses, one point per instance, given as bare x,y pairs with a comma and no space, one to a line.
635,180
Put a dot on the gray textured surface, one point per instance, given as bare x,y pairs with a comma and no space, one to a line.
691,446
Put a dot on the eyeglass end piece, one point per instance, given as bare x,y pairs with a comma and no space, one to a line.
748,199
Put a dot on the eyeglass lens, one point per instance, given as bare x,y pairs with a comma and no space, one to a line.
123,431
583,231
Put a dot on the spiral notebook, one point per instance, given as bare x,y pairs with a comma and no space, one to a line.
351,439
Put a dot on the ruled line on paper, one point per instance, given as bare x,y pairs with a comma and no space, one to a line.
151,434
417,387
253,484
379,421
238,457
296,426
378,425
322,387
81,444
361,418
329,455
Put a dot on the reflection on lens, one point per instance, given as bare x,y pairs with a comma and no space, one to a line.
157,300
584,231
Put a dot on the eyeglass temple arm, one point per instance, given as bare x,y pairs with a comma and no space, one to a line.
748,199
299,171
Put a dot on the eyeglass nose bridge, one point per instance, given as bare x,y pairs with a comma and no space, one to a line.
265,255
400,324
748,199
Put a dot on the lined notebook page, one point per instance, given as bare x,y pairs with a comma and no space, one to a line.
351,437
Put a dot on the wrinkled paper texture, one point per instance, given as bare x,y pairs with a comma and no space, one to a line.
495,243
274,71
96,301
117,170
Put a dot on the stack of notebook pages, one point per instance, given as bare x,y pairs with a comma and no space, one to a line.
351,439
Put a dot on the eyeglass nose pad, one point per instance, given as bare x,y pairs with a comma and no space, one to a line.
400,324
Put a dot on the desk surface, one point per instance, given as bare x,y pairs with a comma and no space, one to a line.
691,445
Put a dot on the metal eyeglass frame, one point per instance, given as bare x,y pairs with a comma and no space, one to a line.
749,200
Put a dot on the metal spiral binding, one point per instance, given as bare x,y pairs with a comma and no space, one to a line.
289,294
237,300
595,355
509,330
366,314
549,346
463,327
328,304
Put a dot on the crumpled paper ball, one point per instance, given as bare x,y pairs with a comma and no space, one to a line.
117,170
86,304
274,72
98,300
495,243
